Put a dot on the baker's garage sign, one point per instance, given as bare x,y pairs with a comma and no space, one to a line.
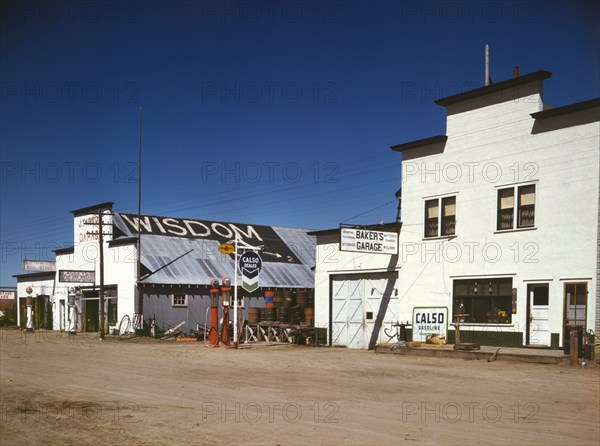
368,241
429,320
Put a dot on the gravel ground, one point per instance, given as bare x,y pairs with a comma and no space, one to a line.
57,389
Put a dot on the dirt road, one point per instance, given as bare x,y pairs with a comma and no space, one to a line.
60,390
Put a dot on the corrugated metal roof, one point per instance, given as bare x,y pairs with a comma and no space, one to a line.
188,260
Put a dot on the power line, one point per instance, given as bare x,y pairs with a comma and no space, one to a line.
370,210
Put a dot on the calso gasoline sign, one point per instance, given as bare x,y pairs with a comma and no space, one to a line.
429,320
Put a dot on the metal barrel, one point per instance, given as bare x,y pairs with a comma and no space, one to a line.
253,316
296,315
301,299
309,315
283,314
269,297
269,314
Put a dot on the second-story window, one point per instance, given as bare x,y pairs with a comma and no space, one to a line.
525,209
432,211
448,215
526,218
440,217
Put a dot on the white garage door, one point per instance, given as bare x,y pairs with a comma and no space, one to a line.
362,305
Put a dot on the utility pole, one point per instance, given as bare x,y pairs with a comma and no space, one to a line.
139,304
100,221
101,235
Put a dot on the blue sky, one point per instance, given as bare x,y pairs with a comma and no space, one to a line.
265,112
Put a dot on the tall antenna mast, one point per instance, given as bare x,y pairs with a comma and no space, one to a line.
487,65
139,239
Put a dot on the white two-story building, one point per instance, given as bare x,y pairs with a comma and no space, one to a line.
500,225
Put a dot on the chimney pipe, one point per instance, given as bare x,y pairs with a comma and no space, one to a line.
487,65
515,72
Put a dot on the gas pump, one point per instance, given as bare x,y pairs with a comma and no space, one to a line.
226,294
72,311
29,306
213,336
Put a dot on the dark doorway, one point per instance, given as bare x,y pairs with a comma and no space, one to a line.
42,312
91,315
576,303
23,312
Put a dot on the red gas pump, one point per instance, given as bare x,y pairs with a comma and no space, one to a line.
213,336
226,293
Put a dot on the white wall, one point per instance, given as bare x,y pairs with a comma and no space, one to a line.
119,264
499,150
65,262
331,261
120,268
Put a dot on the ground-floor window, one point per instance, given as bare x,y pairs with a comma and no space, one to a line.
180,300
483,300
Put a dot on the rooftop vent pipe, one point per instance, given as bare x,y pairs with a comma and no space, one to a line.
487,65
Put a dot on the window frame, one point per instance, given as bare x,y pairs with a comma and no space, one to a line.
430,220
502,301
179,305
517,208
440,219
444,217
520,206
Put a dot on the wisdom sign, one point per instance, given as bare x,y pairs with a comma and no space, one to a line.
366,240
429,320
250,265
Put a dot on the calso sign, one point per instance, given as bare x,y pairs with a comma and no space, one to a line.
250,265
429,320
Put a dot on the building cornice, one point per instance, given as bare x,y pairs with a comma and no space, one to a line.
96,207
493,88
419,143
566,109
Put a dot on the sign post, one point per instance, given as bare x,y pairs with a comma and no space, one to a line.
235,294
250,264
